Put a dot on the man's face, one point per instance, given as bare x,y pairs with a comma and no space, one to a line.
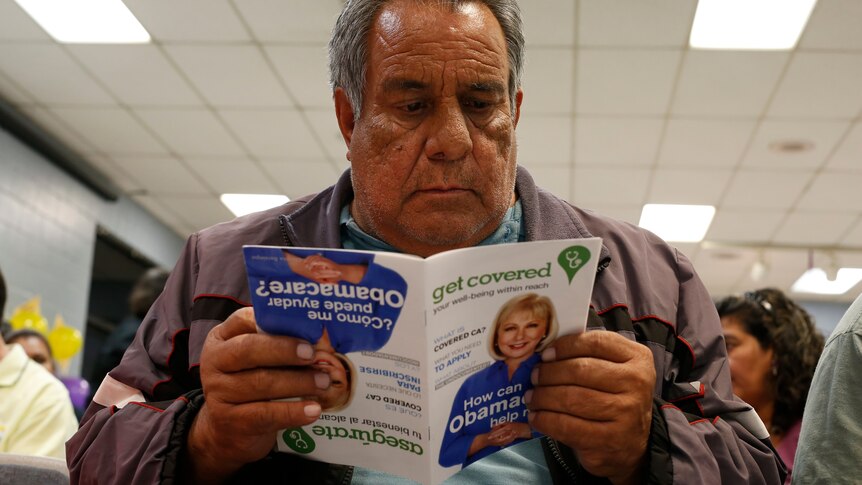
433,153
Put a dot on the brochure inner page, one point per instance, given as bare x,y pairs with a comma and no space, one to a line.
364,313
491,311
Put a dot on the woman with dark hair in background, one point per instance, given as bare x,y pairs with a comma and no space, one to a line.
773,347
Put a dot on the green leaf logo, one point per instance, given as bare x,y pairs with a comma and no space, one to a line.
298,440
572,259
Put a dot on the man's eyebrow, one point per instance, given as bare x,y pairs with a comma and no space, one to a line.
488,87
401,84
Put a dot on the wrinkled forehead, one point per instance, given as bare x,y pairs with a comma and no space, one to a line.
424,40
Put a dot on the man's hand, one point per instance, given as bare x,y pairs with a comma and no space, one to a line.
594,393
242,372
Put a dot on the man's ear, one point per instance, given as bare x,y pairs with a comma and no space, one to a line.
344,114
519,97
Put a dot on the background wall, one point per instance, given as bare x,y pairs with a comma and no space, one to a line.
48,230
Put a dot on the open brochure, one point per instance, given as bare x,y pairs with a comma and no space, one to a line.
429,359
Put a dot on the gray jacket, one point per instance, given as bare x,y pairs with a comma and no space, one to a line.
644,290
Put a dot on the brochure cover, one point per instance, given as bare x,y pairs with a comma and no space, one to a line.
429,359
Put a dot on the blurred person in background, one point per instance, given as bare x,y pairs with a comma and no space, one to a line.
36,416
147,288
36,346
773,347
830,443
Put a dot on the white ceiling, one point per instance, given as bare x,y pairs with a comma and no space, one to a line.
232,97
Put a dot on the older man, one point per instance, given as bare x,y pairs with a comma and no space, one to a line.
427,96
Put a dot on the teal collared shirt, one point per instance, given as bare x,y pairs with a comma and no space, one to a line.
521,463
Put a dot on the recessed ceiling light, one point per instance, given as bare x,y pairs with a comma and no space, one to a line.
87,21
677,223
242,204
749,24
815,281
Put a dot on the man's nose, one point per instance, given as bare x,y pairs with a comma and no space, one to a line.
449,139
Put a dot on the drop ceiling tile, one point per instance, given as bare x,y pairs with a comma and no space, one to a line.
823,135
848,156
305,72
822,85
109,168
191,132
834,24
628,142
548,23
544,140
189,20
273,133
49,74
704,143
166,215
628,82
56,127
765,189
11,93
137,74
591,188
230,75
835,191
727,83
854,237
290,20
16,24
678,186
744,225
547,81
324,124
233,176
300,178
558,180
162,175
722,268
111,130
198,212
649,23
821,228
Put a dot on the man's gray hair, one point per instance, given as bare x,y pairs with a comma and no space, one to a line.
348,47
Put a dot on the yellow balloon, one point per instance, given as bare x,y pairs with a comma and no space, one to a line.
65,341
29,319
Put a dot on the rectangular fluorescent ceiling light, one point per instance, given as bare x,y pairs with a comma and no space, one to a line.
815,281
749,24
677,223
87,21
242,204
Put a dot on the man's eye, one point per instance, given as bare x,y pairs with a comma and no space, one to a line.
477,105
414,107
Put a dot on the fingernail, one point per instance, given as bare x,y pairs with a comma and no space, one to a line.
304,351
528,396
549,354
312,410
534,376
321,380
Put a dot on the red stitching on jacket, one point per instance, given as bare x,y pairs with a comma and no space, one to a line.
701,392
168,362
704,420
224,297
657,318
670,406
147,406
715,420
183,399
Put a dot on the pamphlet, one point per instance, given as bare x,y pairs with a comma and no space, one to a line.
429,359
